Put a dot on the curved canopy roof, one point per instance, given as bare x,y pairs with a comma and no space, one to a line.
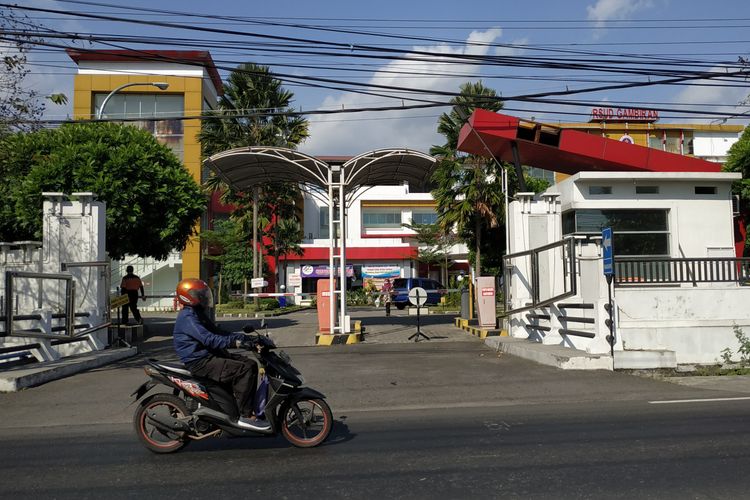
243,168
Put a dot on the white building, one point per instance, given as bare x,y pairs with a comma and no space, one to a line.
378,244
679,292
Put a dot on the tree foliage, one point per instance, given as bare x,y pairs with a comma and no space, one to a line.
739,161
252,90
152,201
468,190
234,252
20,105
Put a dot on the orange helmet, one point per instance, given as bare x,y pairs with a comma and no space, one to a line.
194,292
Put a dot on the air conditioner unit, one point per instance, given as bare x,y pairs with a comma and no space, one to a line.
735,204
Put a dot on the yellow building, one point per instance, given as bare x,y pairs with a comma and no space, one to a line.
193,87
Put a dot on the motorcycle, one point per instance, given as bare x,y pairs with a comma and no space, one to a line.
198,408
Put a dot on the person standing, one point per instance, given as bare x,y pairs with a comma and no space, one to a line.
130,286
386,293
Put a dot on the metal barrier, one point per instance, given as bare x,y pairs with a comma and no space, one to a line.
635,271
72,332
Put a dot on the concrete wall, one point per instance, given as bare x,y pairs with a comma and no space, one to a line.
695,323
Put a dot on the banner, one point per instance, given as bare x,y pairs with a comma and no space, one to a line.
382,272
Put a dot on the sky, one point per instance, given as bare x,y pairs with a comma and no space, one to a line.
400,54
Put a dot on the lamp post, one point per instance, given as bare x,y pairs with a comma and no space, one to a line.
159,85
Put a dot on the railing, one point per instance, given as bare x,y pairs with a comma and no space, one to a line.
637,271
537,276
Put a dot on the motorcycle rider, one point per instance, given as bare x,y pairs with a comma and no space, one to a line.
202,347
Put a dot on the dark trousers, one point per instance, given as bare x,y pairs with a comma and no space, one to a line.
132,305
238,371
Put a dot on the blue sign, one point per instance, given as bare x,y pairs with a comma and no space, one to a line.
608,252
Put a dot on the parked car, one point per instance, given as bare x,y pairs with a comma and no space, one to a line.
401,287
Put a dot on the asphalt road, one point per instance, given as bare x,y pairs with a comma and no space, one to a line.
429,420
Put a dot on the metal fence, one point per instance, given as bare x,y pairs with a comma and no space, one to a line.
635,271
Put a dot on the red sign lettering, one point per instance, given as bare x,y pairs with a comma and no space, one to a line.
623,115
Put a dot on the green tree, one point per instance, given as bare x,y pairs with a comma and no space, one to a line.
434,246
152,201
228,245
254,111
20,105
739,161
468,189
280,222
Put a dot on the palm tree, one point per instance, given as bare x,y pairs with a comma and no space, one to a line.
254,111
468,188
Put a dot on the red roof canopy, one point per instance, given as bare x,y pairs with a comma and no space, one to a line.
565,150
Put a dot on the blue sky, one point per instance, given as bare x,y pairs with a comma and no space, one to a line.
649,35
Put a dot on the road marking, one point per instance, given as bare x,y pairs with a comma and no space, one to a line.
711,400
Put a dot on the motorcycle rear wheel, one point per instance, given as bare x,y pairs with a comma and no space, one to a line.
152,437
316,424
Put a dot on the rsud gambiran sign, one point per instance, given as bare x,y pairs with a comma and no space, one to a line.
624,114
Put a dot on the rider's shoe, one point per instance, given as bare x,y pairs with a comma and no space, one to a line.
254,424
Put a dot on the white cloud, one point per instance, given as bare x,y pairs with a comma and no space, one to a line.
415,129
607,10
693,96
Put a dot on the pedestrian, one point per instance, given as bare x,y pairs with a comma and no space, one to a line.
130,285
386,292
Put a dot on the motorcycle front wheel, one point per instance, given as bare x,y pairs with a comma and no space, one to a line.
155,439
306,422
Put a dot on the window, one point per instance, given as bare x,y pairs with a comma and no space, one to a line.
647,190
149,106
636,232
424,217
705,190
323,223
375,219
600,190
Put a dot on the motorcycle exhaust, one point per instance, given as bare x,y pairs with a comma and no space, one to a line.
167,423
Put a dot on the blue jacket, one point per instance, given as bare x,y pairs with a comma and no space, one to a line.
196,337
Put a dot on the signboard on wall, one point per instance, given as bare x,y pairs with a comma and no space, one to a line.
310,271
294,280
381,271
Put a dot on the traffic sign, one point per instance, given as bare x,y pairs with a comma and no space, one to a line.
608,252
417,296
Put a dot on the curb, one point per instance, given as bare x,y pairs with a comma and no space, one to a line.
30,376
478,332
341,338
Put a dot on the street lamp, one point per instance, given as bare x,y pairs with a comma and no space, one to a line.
159,85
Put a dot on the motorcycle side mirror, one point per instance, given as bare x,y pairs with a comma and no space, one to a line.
248,329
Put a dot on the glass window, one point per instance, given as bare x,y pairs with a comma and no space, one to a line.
647,190
600,189
636,232
705,190
655,141
423,217
381,218
323,220
149,106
